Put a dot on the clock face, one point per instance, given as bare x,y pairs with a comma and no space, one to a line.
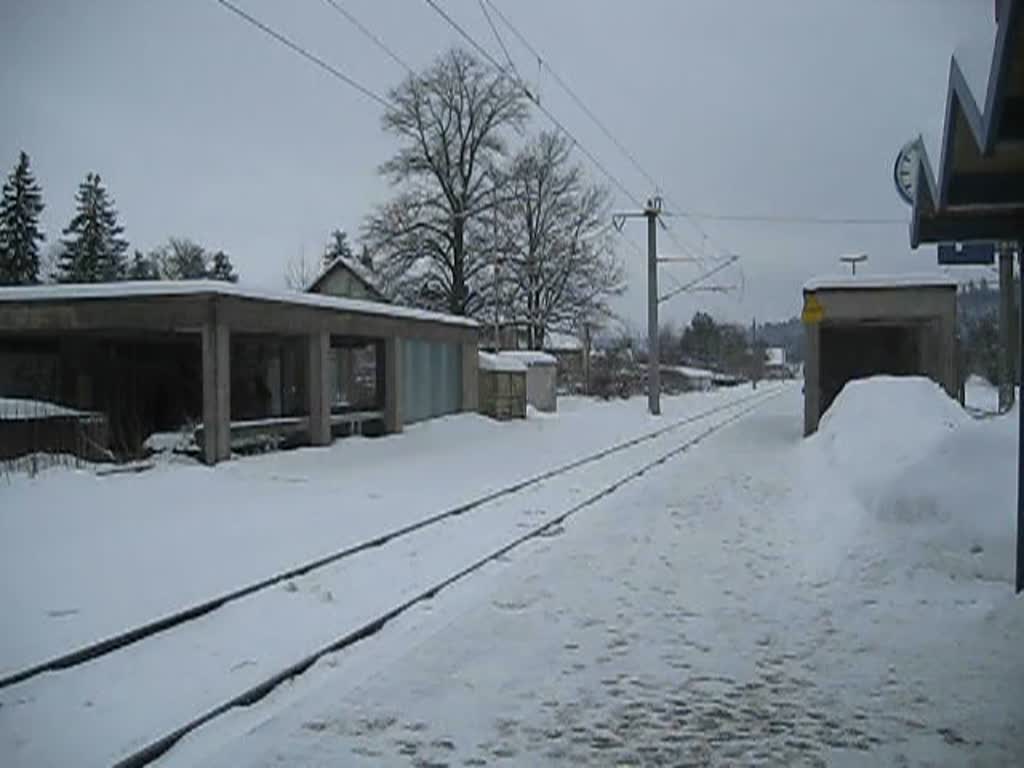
904,172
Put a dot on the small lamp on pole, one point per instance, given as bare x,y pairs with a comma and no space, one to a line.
853,259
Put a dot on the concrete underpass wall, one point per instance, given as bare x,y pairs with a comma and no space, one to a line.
901,331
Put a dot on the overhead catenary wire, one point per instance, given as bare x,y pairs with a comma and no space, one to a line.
303,52
790,219
699,279
339,75
501,42
529,95
615,180
542,62
368,33
376,40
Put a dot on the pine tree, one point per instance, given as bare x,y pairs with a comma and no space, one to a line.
20,235
93,247
338,247
221,268
142,268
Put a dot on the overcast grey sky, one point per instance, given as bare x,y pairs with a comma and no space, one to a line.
203,127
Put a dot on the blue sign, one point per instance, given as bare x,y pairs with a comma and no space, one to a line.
967,254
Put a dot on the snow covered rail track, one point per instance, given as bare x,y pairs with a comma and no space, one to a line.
255,693
136,634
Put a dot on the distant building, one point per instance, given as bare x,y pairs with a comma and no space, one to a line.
233,366
571,355
775,366
896,325
347,279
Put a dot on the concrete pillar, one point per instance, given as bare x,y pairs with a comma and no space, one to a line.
812,376
1006,377
216,392
318,387
470,371
389,382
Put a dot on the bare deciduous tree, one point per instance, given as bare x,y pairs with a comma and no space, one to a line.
300,272
562,266
451,121
181,259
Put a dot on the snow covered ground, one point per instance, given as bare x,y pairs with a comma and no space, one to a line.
842,600
85,556
761,599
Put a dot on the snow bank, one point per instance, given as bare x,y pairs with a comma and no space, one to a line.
933,486
958,502
981,395
877,427
18,408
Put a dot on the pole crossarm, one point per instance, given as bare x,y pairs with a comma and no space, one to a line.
699,279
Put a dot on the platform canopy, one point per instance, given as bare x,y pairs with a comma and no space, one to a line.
970,180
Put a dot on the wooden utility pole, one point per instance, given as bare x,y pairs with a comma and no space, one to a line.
1006,377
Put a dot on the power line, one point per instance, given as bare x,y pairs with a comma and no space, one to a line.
547,113
572,94
699,279
494,29
296,48
590,113
784,219
370,35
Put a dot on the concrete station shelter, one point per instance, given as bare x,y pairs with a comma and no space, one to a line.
236,362
863,326
970,177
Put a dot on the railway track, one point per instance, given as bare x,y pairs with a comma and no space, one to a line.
373,623
136,634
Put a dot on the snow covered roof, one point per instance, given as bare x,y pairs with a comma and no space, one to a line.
562,342
531,357
689,372
18,408
360,272
853,282
503,361
167,288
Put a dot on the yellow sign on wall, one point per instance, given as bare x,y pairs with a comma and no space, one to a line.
813,311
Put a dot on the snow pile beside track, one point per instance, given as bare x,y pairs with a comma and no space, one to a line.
877,427
935,486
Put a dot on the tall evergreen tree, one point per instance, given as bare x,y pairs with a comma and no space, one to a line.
93,247
20,235
337,247
222,269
